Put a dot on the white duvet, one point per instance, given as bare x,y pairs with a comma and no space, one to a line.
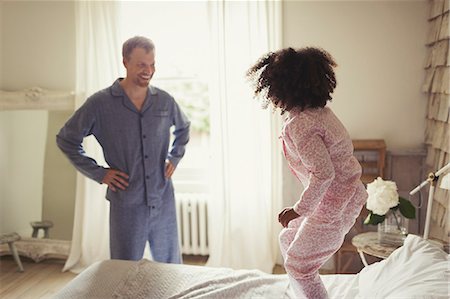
416,270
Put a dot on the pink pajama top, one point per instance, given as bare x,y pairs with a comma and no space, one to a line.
319,152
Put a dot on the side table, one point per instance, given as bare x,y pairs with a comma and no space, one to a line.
368,243
37,225
10,239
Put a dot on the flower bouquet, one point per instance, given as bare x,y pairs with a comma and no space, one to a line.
389,211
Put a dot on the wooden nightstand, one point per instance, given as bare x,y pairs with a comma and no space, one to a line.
371,154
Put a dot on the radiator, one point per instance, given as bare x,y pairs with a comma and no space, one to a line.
192,215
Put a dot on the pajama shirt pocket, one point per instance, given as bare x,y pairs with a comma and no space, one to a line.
161,122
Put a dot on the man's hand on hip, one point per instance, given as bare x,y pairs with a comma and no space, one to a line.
116,179
169,169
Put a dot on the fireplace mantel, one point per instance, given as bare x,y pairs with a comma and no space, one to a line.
37,98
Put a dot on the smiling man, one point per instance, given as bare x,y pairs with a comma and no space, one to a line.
131,121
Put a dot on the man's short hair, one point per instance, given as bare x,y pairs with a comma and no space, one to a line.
137,42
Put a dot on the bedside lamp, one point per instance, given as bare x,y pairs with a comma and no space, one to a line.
432,179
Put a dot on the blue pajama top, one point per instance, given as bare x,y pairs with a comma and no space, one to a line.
134,142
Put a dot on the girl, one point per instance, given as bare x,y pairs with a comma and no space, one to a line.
319,152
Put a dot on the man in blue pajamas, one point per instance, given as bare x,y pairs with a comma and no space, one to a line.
131,120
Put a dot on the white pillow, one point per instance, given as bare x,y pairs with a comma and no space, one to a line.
418,269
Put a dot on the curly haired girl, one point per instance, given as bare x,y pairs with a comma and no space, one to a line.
319,152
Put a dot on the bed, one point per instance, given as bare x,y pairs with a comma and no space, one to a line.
418,269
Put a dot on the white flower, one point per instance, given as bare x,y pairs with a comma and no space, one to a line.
383,195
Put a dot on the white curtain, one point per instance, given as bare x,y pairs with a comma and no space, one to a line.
246,163
98,62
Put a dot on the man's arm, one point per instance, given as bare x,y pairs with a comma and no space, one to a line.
181,133
70,138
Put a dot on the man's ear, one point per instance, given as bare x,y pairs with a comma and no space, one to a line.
124,61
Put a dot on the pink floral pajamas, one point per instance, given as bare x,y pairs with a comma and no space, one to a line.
319,152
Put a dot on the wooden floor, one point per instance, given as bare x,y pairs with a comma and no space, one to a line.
44,279
39,280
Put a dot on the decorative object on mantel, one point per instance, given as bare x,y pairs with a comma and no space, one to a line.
37,98
389,211
45,225
40,249
10,239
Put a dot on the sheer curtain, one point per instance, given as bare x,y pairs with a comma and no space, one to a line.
98,61
246,167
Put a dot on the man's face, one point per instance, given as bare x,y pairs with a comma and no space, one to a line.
140,66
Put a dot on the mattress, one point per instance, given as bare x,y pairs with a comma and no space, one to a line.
418,269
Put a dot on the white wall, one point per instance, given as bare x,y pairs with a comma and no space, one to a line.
38,44
1,39
380,49
22,136
37,49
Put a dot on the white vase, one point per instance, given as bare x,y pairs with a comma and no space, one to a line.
393,230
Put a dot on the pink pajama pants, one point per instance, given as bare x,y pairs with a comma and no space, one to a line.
307,243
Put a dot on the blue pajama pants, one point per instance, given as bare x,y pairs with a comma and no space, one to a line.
131,226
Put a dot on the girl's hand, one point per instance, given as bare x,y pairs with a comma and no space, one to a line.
285,216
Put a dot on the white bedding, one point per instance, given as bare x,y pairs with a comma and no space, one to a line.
416,270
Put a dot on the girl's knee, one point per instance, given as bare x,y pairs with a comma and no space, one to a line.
301,270
286,236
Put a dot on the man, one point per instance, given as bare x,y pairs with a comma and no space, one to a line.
131,120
